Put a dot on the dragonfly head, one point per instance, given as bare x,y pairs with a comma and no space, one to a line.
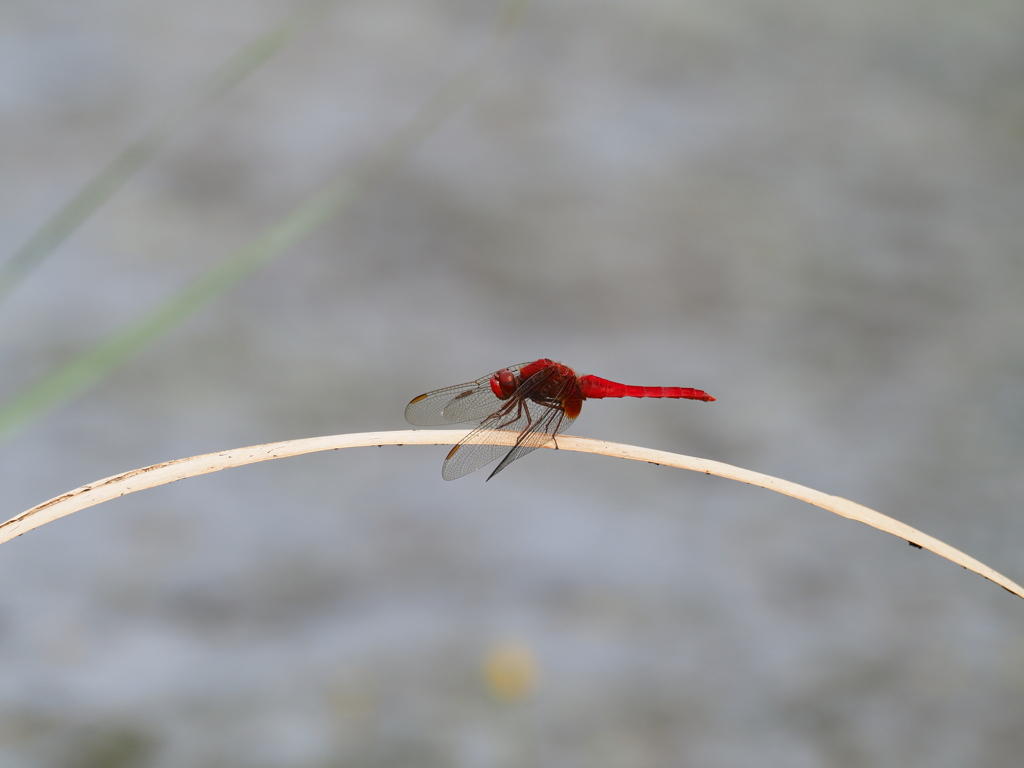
504,383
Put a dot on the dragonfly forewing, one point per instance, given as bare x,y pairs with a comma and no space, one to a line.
471,404
472,401
429,410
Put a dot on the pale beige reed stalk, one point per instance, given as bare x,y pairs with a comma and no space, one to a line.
167,472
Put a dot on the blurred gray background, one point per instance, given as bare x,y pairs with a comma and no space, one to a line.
814,211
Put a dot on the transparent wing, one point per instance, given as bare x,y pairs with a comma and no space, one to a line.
467,457
551,423
535,422
471,401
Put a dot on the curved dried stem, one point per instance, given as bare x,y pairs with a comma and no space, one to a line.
169,471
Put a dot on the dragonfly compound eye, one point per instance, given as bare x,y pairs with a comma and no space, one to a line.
504,384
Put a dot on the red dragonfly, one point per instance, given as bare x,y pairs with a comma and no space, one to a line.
537,400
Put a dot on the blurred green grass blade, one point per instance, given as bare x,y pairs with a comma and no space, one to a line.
128,162
95,363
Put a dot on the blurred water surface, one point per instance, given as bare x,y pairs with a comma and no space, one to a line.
813,211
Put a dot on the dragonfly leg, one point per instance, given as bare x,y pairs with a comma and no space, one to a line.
510,420
522,409
529,421
554,432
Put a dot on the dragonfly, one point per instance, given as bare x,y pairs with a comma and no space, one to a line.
537,401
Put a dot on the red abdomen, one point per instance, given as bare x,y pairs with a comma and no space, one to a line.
596,387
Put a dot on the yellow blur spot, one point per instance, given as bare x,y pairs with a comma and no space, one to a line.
510,671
